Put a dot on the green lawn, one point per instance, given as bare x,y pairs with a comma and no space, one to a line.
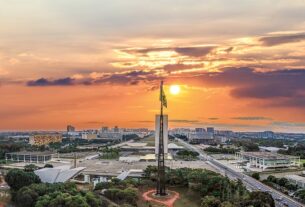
150,141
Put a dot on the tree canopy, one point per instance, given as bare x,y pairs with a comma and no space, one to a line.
17,178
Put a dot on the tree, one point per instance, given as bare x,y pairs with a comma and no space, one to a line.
282,181
226,204
48,165
102,185
17,178
261,199
210,201
26,197
150,172
256,176
272,179
92,200
30,168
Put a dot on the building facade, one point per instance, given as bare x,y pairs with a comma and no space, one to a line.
89,136
31,157
266,160
200,137
44,139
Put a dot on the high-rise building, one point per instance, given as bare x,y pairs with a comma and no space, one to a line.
199,130
210,130
165,133
104,129
70,128
116,129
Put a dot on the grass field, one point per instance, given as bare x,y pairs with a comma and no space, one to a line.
150,141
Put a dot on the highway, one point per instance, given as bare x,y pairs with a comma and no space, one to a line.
250,183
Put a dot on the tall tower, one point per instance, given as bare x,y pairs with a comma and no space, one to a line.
157,133
160,188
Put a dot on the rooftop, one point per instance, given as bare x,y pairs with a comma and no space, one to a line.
266,155
57,174
31,153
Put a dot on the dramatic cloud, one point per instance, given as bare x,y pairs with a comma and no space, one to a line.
45,82
192,51
286,86
213,118
130,78
282,39
180,66
185,121
251,118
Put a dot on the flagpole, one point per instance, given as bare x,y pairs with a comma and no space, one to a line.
160,190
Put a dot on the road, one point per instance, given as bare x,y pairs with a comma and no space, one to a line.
250,183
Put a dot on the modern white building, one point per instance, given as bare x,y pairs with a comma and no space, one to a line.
58,174
266,160
31,157
165,133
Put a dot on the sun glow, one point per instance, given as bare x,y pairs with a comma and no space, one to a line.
174,89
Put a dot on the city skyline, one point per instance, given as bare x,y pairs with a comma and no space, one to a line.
98,63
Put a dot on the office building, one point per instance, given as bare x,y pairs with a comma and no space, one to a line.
165,133
44,139
116,129
89,136
199,130
266,160
210,130
200,136
31,157
104,129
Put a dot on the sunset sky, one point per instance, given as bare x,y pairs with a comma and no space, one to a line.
240,64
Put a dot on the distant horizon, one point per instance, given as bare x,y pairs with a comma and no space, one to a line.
152,129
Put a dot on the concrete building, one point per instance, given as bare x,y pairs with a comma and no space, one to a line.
104,129
297,180
116,129
31,157
210,130
165,133
266,160
200,137
44,139
111,135
89,136
266,135
270,149
200,130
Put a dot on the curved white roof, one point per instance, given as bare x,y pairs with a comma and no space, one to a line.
57,174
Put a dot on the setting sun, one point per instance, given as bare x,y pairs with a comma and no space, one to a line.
174,89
